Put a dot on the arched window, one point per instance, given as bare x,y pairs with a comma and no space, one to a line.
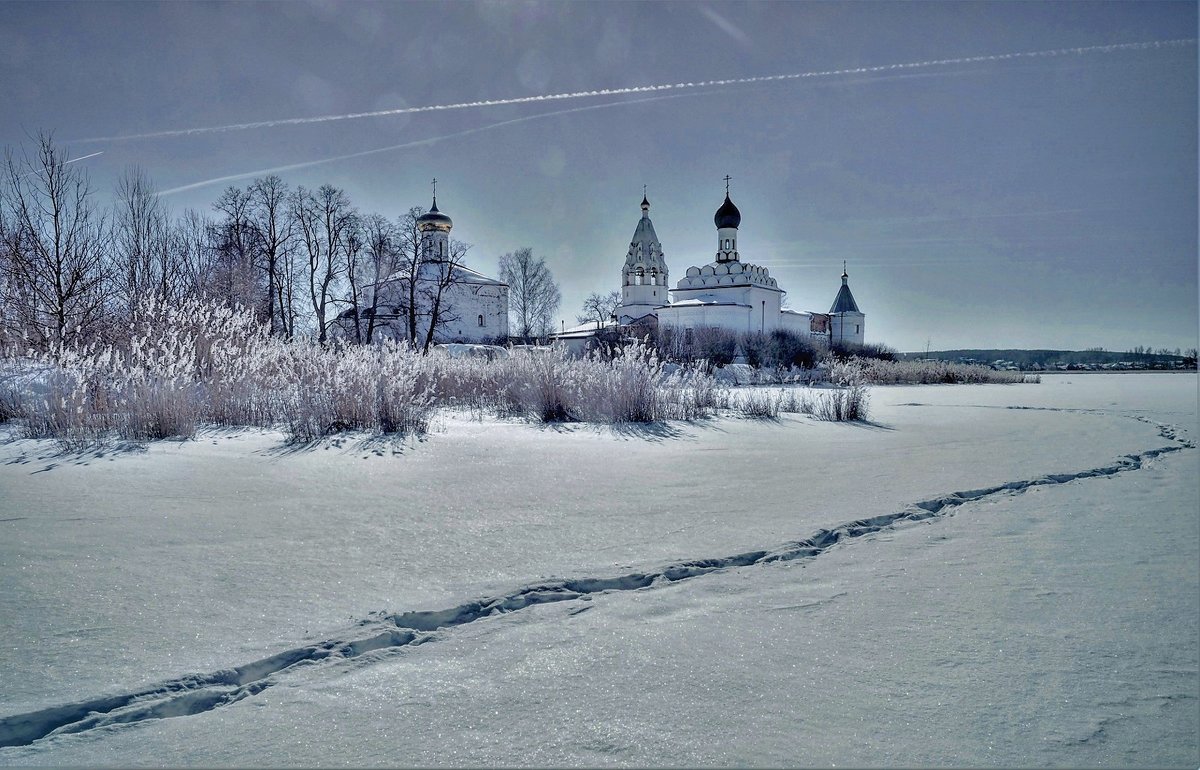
481,320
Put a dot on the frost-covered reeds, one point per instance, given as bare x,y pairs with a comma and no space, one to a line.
551,386
197,363
879,372
839,404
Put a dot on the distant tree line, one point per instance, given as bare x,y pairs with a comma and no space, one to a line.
73,270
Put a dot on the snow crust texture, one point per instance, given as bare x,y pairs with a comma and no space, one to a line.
199,693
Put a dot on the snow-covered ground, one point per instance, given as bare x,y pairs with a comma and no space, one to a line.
369,603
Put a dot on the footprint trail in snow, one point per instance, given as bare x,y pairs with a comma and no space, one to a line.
199,693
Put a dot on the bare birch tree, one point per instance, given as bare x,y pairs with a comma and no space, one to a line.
533,296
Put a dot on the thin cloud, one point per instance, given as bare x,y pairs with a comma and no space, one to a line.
1056,52
725,25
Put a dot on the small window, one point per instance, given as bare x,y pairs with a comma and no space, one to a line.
856,328
481,320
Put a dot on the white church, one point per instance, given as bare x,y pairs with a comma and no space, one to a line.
464,304
726,293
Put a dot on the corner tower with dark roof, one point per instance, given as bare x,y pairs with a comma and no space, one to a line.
847,322
644,274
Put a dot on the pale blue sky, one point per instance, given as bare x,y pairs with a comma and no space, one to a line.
1029,202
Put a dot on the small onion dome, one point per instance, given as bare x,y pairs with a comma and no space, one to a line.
434,220
645,203
728,215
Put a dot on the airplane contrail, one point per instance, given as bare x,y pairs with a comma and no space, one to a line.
465,132
1054,52
85,157
72,160
406,145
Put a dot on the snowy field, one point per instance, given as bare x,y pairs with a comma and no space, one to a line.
727,592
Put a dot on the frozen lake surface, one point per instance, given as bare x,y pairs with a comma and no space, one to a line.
728,592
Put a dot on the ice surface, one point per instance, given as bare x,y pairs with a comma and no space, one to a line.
1056,626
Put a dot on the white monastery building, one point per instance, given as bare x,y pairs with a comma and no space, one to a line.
726,293
467,305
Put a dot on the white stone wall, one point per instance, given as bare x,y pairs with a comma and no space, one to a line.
733,317
793,321
847,327
481,311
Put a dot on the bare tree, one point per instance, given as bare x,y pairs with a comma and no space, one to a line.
268,199
599,307
435,290
323,219
54,247
408,267
380,239
192,236
235,279
144,259
354,253
533,296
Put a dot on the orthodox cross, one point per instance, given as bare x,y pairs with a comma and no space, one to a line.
643,191
435,187
727,178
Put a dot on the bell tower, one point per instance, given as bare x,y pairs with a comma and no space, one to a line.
644,275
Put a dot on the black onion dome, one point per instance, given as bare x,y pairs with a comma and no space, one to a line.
728,215
434,218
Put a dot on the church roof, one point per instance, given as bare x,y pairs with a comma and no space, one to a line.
461,274
644,233
728,215
434,218
704,300
464,274
845,301
645,249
